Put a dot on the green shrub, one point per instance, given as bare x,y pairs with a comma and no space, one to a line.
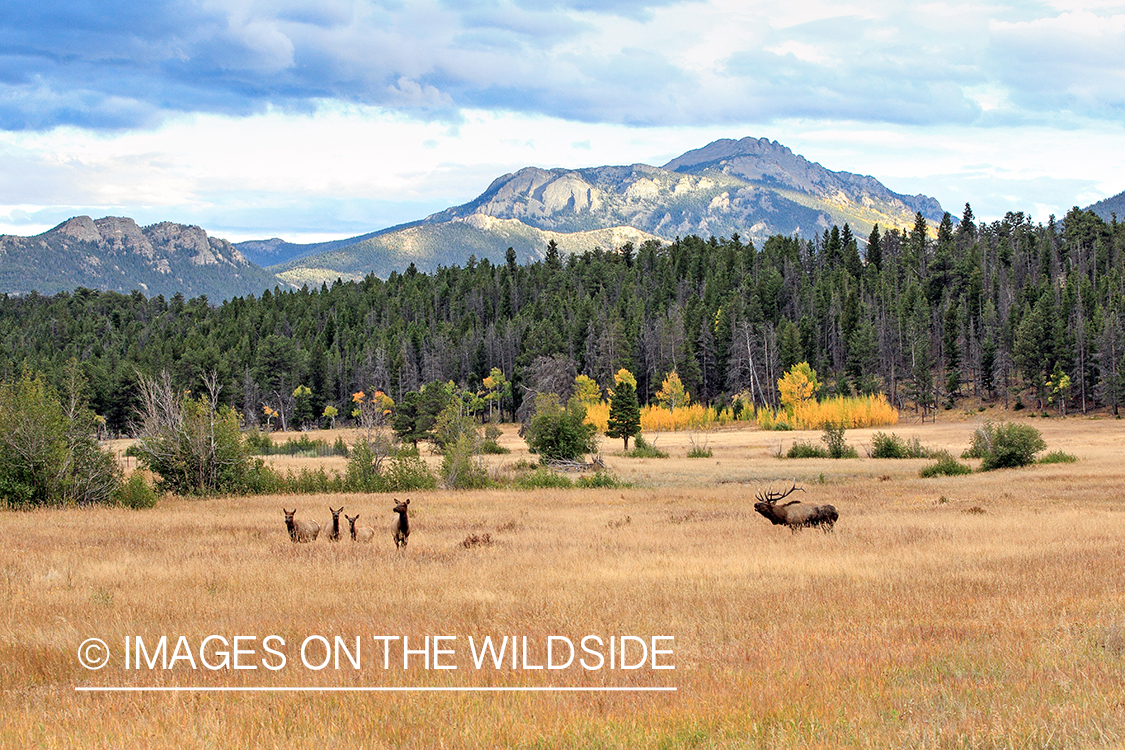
461,469
135,493
834,438
558,433
408,472
364,463
312,482
699,450
543,478
194,445
643,449
600,480
490,445
946,465
48,452
802,449
1058,457
262,480
260,443
892,446
1005,445
340,448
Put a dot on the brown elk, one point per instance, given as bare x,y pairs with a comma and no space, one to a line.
361,534
334,533
300,531
402,524
794,514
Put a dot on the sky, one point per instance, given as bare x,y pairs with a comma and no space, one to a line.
332,118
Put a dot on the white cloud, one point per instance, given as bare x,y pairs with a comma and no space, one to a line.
309,116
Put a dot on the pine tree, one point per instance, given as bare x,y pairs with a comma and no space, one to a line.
624,412
875,249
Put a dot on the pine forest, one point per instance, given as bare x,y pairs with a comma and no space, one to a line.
1011,312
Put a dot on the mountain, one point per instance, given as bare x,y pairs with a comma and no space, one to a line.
1110,206
113,253
449,243
753,187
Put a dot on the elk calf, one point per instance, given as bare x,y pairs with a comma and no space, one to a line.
363,533
334,534
794,514
402,524
300,531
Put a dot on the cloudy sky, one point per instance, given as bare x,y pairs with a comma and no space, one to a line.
328,118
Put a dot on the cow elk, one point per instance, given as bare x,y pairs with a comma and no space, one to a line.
361,534
794,514
334,533
300,531
402,524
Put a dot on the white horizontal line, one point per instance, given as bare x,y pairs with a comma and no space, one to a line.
418,689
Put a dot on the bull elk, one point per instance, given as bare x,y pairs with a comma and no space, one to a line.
794,514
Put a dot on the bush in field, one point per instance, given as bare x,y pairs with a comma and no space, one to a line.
193,444
946,465
645,449
260,443
48,453
802,449
407,472
134,493
371,469
1005,445
699,450
1058,457
600,480
834,438
892,446
560,433
543,478
491,444
461,469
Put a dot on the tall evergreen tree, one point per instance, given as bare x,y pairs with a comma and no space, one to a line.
624,413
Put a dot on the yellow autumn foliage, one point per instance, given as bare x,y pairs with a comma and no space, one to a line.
659,419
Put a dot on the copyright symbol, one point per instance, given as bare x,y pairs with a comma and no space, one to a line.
93,653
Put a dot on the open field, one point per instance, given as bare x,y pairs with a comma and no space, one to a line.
977,611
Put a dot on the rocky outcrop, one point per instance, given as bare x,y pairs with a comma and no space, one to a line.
114,253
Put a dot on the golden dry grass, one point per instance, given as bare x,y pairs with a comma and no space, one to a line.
979,611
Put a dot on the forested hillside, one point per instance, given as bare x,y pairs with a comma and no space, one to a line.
997,311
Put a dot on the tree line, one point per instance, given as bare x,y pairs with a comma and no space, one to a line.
1010,311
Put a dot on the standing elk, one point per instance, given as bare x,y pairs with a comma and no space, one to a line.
402,524
794,514
334,534
300,531
363,533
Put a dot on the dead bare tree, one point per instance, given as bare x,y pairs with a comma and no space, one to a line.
194,444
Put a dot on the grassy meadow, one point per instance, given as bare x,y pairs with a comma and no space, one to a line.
956,612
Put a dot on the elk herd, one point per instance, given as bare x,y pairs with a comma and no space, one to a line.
793,514
301,530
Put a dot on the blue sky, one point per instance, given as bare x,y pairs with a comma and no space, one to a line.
309,120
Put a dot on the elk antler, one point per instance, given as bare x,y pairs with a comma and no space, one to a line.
770,497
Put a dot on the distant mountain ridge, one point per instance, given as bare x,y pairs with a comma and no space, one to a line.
1109,207
753,187
114,253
